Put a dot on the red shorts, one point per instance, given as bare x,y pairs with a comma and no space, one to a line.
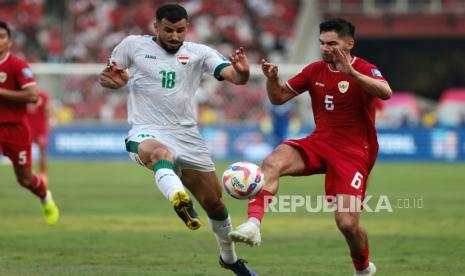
347,169
15,143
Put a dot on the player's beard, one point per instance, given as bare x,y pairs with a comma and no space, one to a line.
168,49
327,58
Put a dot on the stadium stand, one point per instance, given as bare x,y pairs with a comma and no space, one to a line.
451,108
93,27
402,110
85,31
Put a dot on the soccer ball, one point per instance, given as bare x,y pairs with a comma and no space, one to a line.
243,180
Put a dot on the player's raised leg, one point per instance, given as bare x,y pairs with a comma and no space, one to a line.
157,157
207,190
284,160
348,222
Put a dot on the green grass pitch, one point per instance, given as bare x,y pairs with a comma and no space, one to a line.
114,221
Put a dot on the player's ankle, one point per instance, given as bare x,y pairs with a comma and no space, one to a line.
46,199
254,221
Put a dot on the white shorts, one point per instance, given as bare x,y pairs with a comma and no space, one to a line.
185,144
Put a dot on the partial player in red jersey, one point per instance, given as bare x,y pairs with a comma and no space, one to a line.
17,89
343,145
38,115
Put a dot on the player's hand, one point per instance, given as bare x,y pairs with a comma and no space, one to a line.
113,76
239,62
270,70
342,61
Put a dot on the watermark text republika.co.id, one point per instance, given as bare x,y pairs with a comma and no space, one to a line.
323,203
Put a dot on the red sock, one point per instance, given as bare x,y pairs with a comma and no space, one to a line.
257,205
360,259
38,187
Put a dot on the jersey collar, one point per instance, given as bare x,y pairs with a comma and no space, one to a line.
5,58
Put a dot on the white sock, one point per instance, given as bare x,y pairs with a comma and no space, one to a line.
168,182
221,228
46,199
254,221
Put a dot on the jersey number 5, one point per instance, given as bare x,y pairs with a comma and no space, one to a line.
329,104
22,157
167,79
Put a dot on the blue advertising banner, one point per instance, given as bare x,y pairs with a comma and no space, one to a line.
88,142
250,143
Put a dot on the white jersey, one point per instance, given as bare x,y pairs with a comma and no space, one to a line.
162,85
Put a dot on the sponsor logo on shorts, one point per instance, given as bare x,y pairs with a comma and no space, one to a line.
145,135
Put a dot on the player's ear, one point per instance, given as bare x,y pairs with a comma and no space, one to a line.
155,27
350,43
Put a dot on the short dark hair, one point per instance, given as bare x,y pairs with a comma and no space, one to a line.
4,26
341,26
172,13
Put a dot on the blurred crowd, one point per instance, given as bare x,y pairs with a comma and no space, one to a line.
89,29
85,31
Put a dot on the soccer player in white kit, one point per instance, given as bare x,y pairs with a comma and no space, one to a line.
163,74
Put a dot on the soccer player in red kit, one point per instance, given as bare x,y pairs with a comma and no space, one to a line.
17,88
343,145
38,115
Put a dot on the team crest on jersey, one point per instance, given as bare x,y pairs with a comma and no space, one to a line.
3,77
343,86
183,60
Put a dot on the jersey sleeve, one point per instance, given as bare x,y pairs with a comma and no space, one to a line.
371,71
214,62
24,74
44,96
300,82
121,52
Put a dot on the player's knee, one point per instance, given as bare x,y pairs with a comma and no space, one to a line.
161,154
347,224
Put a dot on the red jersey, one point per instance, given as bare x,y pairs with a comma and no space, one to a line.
37,114
344,112
15,74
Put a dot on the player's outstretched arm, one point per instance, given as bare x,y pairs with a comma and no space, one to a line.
377,88
239,72
27,95
113,76
277,93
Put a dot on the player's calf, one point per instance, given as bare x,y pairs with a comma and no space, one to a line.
32,182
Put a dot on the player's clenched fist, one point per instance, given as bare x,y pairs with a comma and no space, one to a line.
114,76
